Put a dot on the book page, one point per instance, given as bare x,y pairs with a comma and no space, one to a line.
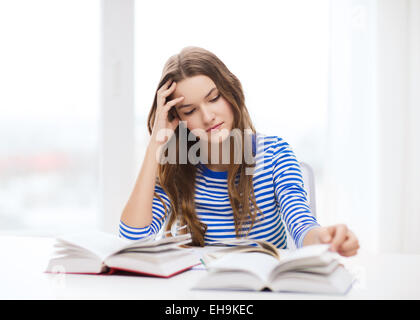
150,242
99,243
156,248
103,244
260,264
306,252
242,245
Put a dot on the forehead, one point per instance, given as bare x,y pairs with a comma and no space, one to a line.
193,88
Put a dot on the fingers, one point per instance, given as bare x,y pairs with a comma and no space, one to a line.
170,89
339,235
348,253
165,86
173,102
340,238
350,245
165,91
162,95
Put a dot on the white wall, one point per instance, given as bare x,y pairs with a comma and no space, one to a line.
411,226
373,172
351,195
398,86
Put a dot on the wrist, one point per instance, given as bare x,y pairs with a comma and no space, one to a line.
155,149
311,236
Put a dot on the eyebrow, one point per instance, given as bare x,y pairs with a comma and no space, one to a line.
189,105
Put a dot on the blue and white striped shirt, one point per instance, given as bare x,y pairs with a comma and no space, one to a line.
279,193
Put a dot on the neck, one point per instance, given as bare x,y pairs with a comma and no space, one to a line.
217,155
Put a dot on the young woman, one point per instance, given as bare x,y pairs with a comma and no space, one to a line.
198,104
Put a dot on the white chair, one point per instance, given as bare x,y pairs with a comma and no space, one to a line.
309,186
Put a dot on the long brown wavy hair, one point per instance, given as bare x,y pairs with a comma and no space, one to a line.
178,180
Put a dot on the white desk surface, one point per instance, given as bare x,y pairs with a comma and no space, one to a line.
24,259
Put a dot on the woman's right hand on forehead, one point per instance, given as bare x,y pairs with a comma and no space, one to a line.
163,128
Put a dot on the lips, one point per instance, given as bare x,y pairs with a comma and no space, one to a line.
216,126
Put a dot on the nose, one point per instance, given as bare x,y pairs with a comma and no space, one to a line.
208,115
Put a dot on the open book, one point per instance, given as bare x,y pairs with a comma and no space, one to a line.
311,269
220,248
99,252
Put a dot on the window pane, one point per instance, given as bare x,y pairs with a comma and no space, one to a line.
48,115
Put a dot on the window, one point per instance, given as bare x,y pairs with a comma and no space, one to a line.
48,116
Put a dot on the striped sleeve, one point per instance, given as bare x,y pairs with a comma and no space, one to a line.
158,219
290,193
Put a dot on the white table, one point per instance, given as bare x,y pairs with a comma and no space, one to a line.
23,260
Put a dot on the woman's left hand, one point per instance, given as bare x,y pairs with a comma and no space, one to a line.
342,240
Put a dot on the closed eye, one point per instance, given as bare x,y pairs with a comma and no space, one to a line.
213,100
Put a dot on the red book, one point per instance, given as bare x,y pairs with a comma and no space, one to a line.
103,253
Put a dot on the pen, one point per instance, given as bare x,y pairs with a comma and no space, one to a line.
202,261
